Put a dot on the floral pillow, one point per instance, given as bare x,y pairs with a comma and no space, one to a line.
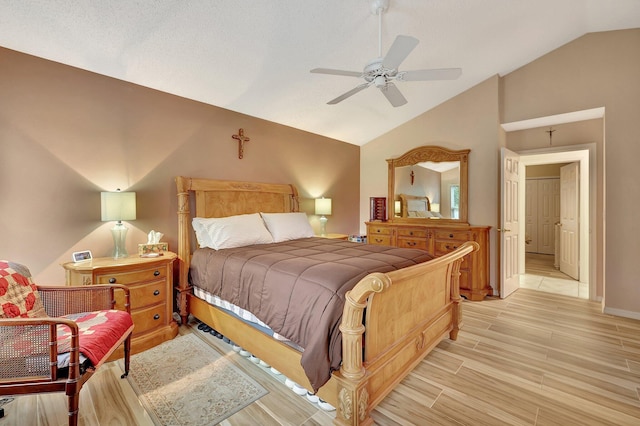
18,294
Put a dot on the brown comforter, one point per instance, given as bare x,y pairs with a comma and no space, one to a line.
297,288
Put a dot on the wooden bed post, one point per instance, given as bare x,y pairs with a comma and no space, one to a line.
455,292
184,248
353,395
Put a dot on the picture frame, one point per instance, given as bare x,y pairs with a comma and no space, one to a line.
82,256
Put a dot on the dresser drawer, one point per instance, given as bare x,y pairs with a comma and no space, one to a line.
413,243
452,235
414,233
444,247
148,318
381,240
379,230
132,276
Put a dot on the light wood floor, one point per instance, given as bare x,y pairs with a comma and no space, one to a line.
534,358
540,274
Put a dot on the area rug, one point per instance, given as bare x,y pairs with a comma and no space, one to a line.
186,382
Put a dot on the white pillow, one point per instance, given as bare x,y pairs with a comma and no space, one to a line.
232,231
287,226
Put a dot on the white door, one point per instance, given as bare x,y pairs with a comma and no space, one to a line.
509,222
569,208
531,216
548,214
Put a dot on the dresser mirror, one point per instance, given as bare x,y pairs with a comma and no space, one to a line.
429,183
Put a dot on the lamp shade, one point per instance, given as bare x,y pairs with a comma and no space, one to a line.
435,207
118,206
323,206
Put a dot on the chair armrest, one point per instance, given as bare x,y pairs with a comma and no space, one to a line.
66,300
27,342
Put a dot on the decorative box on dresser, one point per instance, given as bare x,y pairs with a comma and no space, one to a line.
150,280
439,240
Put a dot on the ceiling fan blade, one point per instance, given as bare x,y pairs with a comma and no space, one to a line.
336,72
349,93
400,49
393,95
435,74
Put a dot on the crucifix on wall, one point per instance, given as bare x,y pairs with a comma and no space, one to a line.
241,138
550,131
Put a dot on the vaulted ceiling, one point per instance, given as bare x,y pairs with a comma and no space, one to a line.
254,56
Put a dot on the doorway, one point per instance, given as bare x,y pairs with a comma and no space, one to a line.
538,272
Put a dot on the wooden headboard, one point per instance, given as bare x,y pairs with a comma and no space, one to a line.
413,203
221,198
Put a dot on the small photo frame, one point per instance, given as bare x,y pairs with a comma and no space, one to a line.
81,256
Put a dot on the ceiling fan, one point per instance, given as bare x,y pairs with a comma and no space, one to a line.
382,71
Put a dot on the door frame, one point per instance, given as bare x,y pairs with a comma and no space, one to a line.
585,154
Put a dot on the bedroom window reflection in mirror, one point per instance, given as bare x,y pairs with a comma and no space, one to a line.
430,182
455,201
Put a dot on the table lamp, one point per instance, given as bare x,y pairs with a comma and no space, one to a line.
323,208
118,206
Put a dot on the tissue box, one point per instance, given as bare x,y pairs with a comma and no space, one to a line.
152,248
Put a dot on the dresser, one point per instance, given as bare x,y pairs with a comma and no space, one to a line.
150,281
439,240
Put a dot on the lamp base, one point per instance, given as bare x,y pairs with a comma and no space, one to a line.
119,233
323,225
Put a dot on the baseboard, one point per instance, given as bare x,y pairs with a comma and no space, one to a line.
622,313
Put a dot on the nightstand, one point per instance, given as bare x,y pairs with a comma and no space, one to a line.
334,236
151,283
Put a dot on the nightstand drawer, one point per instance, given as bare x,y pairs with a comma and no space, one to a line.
148,294
148,319
144,295
381,240
133,276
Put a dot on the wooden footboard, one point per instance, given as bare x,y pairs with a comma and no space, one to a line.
408,312
404,313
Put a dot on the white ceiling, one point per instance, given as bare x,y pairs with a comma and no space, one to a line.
254,56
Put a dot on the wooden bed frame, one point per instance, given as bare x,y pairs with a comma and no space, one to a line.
408,311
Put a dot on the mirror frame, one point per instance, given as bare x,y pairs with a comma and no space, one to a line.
435,154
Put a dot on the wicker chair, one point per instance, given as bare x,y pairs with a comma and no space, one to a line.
38,371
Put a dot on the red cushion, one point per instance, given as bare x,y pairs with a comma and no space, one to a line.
99,333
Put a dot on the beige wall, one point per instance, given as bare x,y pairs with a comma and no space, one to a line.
544,171
68,134
596,70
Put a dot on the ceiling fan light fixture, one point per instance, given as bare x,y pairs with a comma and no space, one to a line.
380,81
